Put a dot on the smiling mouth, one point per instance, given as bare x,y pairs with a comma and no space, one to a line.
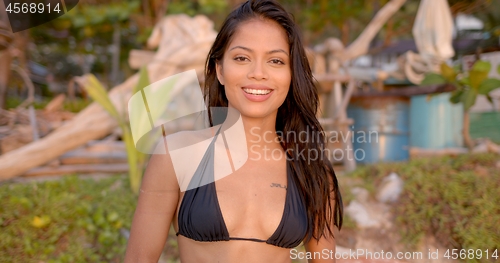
257,91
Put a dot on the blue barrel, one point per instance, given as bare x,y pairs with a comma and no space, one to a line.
381,128
435,123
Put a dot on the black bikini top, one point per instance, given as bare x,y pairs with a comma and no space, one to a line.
200,217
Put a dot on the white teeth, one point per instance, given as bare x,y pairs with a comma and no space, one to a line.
257,91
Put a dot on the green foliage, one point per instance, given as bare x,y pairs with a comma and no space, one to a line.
488,85
468,84
143,80
135,158
13,102
98,93
482,66
211,6
448,72
68,220
92,16
316,16
79,41
207,7
453,198
433,79
469,98
73,106
216,10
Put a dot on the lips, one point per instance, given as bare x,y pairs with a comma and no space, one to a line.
257,93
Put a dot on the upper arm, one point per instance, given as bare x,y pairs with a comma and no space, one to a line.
326,244
158,199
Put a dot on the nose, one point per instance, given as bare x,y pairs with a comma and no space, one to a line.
257,71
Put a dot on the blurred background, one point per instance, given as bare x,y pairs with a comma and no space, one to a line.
410,100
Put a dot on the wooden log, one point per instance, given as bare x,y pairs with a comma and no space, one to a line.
94,159
139,58
55,104
408,91
94,122
105,146
11,142
78,168
82,156
361,44
91,123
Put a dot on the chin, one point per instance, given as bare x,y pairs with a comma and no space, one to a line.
258,113
256,109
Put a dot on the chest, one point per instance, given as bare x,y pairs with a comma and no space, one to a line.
248,203
254,198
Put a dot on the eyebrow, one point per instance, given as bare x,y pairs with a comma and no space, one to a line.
268,52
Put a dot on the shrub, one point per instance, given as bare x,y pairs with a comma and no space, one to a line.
453,198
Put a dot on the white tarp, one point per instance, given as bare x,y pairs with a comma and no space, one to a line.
433,34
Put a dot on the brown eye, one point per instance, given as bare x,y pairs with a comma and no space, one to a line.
240,58
277,61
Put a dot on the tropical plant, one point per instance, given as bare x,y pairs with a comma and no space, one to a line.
98,93
469,84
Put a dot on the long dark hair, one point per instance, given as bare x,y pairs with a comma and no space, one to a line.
297,114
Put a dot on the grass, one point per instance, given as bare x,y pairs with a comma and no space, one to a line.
453,198
68,220
80,220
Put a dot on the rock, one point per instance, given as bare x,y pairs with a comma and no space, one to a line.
361,194
358,212
494,148
391,188
482,147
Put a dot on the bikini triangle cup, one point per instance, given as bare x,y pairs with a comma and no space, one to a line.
200,217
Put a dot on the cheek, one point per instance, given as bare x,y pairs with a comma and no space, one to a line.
232,74
285,81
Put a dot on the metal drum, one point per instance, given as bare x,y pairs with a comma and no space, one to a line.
435,123
381,128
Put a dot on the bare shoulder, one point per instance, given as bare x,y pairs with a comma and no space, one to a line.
176,157
170,145
185,139
160,173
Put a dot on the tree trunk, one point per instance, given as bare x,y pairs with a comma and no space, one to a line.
467,139
5,59
6,37
115,58
389,32
345,32
361,44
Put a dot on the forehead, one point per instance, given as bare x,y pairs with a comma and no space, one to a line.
260,34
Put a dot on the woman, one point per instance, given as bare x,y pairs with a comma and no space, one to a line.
285,193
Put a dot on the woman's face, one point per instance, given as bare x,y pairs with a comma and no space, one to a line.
255,70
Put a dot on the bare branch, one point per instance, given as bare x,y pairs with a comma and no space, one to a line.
361,44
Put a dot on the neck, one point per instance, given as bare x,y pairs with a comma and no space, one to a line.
260,132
